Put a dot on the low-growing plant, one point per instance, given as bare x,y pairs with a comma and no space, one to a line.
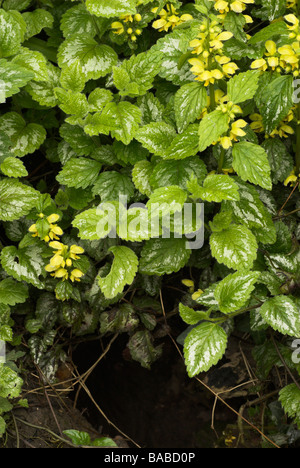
118,114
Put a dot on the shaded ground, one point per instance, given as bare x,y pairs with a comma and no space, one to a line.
157,408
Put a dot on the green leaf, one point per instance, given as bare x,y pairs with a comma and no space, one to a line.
78,437
34,62
12,32
142,349
151,108
190,100
123,271
235,246
221,220
135,225
10,382
13,167
278,28
235,22
82,144
173,46
216,188
103,442
274,8
165,200
24,264
95,59
243,86
98,99
89,223
235,290
204,346
156,137
77,20
276,101
134,76
250,161
289,397
177,172
12,293
127,118
79,173
36,21
211,127
280,160
184,145
13,77
18,5
111,9
111,185
282,314
164,256
250,211
72,77
25,138
43,91
16,199
72,103
141,173
191,316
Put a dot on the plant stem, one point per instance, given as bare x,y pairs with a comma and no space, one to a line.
221,160
212,97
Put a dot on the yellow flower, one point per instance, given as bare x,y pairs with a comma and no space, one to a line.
61,273
190,284
236,129
225,142
76,274
126,18
169,18
57,261
291,179
118,27
259,64
197,294
57,245
217,42
34,230
75,250
55,231
53,218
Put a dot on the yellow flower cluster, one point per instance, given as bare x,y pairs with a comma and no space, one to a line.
60,265
284,58
48,225
211,64
128,25
238,6
168,18
236,127
283,130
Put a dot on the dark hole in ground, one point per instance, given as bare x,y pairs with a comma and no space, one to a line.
157,408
